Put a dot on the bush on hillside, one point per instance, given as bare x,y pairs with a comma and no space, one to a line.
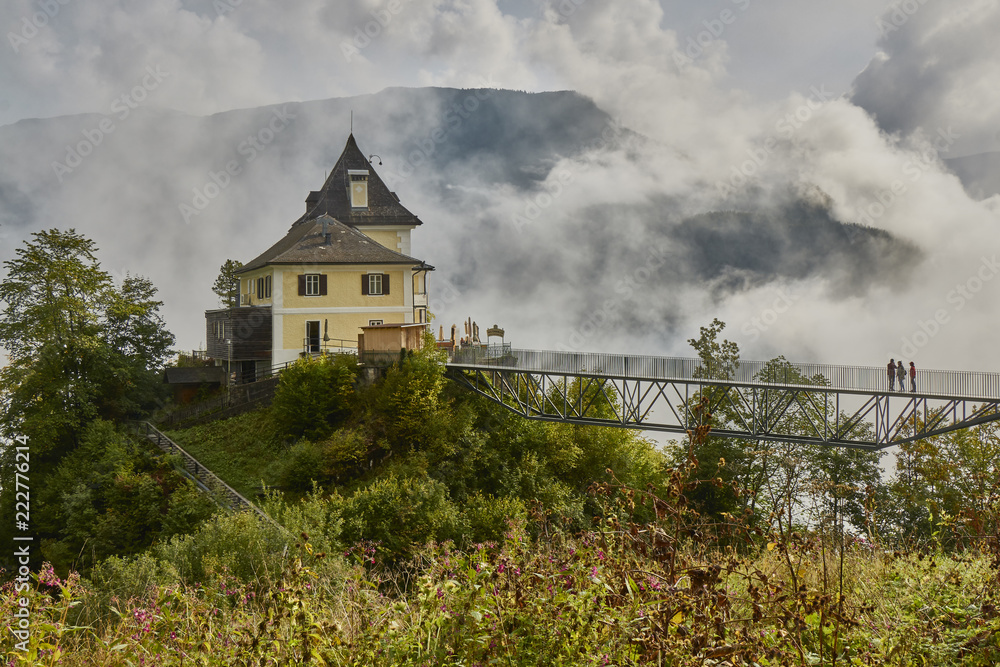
314,396
400,513
489,517
302,467
113,495
240,545
325,462
409,405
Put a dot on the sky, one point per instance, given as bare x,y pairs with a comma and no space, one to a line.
67,57
741,105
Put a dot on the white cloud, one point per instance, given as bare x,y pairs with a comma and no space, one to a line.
937,69
711,146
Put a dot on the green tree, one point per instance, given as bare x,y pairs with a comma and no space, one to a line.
411,407
837,479
137,343
723,464
134,327
51,330
720,360
79,349
227,284
79,346
843,480
945,481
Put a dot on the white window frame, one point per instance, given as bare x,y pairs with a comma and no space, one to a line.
373,280
312,280
375,323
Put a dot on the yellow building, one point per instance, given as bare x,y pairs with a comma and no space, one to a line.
342,266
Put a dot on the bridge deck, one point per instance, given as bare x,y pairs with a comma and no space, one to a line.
850,406
970,385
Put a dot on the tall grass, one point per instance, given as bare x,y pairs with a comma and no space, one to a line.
674,590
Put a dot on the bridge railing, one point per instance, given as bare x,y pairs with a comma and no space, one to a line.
970,384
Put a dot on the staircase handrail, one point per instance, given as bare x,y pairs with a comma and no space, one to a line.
208,478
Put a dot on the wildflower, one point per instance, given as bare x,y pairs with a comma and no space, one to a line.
47,576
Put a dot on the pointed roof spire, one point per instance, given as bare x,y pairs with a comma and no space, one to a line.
333,198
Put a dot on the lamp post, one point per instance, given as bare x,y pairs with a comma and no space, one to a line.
229,371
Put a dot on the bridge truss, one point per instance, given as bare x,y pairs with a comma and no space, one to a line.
770,411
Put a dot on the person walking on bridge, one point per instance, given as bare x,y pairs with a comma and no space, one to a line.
913,377
892,374
901,375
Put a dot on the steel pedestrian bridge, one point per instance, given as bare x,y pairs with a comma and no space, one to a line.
847,406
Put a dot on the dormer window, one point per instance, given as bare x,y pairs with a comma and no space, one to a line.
359,187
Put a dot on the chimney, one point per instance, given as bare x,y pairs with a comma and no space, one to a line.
326,232
312,200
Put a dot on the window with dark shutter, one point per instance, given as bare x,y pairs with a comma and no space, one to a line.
364,283
385,283
302,285
322,285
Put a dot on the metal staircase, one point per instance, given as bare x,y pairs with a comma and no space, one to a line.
207,481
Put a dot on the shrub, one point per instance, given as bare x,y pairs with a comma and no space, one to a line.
314,395
488,517
304,466
399,513
188,507
345,451
410,405
316,515
129,578
240,544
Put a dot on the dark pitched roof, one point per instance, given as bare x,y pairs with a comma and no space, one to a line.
304,244
332,199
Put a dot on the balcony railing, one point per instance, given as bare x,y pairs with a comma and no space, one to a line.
312,345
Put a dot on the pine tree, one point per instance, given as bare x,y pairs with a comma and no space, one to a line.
227,285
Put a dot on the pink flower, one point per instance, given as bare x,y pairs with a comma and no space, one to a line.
47,576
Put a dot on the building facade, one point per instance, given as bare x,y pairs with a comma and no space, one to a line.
343,265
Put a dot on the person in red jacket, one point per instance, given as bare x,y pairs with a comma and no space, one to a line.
913,377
